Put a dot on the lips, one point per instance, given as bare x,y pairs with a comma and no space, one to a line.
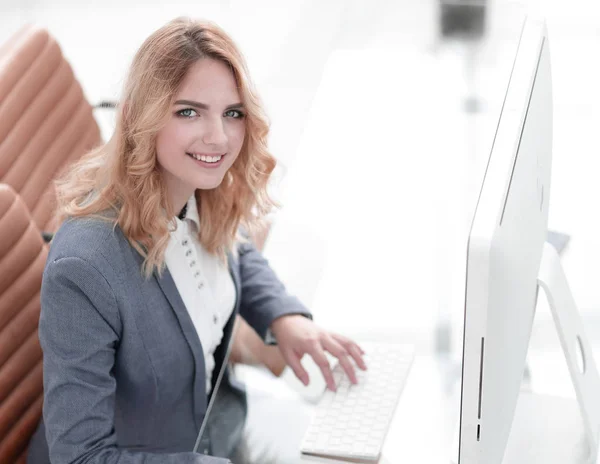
207,157
206,160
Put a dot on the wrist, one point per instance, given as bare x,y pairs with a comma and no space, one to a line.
276,324
279,322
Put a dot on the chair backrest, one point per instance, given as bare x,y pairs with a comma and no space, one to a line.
45,123
45,120
23,255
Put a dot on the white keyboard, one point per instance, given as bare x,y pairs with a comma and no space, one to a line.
352,422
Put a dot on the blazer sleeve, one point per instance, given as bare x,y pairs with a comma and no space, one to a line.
263,296
79,333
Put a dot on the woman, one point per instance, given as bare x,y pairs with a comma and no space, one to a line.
149,268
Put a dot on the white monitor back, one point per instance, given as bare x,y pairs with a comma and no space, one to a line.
504,253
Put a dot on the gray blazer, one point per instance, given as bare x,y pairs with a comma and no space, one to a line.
124,374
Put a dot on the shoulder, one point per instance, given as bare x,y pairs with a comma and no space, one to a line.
80,276
91,239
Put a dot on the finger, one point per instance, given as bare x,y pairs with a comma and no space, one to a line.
293,360
336,349
353,349
317,353
346,342
357,354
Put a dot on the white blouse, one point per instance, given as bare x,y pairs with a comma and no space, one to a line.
203,282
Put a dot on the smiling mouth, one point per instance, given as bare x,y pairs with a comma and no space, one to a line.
214,159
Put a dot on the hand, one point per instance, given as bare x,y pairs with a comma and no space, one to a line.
297,335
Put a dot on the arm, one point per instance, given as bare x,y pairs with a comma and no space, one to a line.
248,348
79,333
265,301
263,296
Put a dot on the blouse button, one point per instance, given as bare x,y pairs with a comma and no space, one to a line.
197,274
192,263
188,253
215,319
184,242
200,286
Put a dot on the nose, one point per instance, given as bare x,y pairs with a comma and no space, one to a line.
214,133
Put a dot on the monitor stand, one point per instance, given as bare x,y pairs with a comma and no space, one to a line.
554,430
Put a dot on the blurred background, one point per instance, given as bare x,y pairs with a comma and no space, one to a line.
383,114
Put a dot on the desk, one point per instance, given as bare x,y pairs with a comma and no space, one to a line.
423,427
421,431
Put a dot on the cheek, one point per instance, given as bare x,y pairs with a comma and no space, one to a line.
236,138
169,142
174,135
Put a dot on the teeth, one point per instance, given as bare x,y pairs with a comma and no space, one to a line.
207,159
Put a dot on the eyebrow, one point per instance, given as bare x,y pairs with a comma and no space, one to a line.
204,106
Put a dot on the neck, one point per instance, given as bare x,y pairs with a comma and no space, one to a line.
178,193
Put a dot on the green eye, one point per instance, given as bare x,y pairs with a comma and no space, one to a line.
187,113
236,114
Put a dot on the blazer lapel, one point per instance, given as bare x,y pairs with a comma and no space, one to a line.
168,287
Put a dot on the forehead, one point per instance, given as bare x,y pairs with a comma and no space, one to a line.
207,81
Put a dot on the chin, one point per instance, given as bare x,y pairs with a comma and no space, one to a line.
209,184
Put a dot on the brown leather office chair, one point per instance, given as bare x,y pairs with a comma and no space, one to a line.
45,120
22,257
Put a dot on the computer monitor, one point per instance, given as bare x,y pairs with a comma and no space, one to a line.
505,250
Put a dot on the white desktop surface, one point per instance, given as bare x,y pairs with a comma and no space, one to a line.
422,429
423,425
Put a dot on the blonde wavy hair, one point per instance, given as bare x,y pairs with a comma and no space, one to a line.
120,181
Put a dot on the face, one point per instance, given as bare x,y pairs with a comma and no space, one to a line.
204,133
